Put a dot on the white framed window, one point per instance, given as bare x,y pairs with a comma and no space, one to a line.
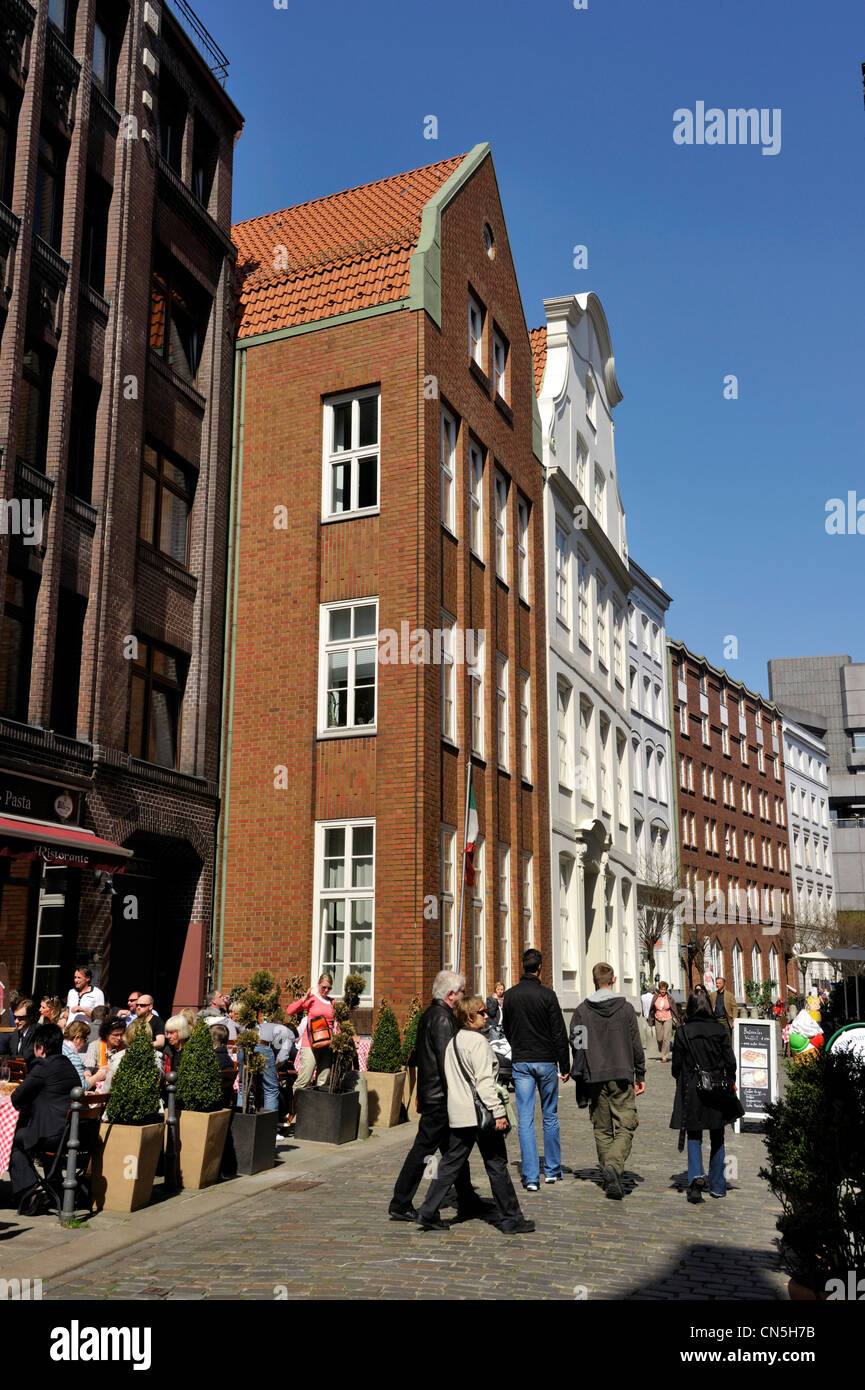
449,680
476,692
525,727
352,424
562,609
600,497
683,773
683,719
563,721
618,644
773,957
348,665
523,548
591,403
662,778
479,926
632,623
659,708
505,915
345,900
622,799
528,899
583,586
566,926
738,974
448,469
761,762
476,331
501,490
651,775
606,778
646,640
638,766
502,712
587,788
601,616
635,688
582,464
447,897
743,749
707,733
656,642
725,740
500,365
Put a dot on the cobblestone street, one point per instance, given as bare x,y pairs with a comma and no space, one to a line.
327,1235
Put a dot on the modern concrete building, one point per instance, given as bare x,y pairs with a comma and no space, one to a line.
733,844
116,145
387,508
829,691
652,793
593,863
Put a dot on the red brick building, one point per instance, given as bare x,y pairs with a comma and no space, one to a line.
732,825
116,367
387,498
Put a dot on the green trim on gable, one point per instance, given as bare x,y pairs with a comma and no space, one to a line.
257,338
425,284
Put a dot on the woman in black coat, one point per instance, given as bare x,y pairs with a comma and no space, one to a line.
702,1044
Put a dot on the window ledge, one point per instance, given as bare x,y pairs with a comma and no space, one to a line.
504,409
450,744
362,731
449,531
167,566
101,102
95,300
176,379
479,375
350,516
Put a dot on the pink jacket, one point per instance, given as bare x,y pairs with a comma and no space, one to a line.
316,1008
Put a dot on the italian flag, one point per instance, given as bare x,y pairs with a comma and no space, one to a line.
471,835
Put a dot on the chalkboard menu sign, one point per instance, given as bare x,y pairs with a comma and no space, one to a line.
755,1044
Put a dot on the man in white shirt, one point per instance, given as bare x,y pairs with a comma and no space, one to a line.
646,1003
84,998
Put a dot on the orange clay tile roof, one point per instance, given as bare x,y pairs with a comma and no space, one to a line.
538,340
338,254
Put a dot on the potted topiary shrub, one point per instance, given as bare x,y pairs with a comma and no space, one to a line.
385,1076
407,1055
130,1136
815,1140
330,1115
251,1143
203,1121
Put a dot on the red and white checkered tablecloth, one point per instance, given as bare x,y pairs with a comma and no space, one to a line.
363,1046
8,1121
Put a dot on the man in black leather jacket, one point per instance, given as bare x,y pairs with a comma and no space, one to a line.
43,1100
435,1029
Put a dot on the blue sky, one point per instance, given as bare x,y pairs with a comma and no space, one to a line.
709,260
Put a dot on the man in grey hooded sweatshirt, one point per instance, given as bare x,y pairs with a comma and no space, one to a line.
610,1063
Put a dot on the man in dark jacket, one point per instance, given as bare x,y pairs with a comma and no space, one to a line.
19,1043
43,1100
535,1029
435,1029
609,1059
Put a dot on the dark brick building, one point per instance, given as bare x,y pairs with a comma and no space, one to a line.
732,824
116,370
388,484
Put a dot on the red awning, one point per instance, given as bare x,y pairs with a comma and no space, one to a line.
59,844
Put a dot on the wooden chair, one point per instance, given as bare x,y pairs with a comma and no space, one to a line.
48,1188
17,1068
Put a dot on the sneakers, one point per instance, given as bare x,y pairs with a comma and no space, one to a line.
695,1194
612,1183
717,1194
517,1228
550,1181
401,1213
532,1187
431,1223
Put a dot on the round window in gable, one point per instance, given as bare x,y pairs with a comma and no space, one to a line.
489,241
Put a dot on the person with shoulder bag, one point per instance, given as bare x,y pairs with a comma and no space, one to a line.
476,1115
315,1050
705,1071
664,1017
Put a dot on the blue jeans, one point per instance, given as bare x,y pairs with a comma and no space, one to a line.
717,1175
544,1076
269,1082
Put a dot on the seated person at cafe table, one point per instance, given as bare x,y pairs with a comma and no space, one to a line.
20,1042
99,1054
75,1037
42,1100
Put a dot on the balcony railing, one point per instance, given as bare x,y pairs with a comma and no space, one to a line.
207,46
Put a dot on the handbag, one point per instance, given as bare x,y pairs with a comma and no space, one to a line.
320,1033
485,1118
709,1082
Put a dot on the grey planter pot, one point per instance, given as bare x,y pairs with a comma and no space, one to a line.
326,1118
250,1145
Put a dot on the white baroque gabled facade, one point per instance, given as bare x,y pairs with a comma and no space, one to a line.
592,866
655,841
806,774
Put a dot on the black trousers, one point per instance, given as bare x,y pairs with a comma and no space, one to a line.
495,1156
21,1170
433,1134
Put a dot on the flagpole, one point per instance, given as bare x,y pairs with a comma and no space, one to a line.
463,868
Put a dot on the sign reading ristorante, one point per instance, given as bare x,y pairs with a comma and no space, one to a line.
33,800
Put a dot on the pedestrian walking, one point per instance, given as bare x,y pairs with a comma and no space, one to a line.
470,1071
535,1029
663,1016
705,1070
610,1066
724,1006
436,1028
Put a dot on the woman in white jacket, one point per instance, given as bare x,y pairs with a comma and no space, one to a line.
477,1058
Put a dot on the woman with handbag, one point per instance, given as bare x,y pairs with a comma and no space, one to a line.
314,1050
705,1071
477,1115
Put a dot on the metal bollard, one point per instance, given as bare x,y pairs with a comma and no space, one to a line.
171,1145
70,1181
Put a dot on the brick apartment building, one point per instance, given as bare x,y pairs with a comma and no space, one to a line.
387,481
732,824
116,363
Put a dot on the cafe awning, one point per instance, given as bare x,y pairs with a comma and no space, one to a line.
60,844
